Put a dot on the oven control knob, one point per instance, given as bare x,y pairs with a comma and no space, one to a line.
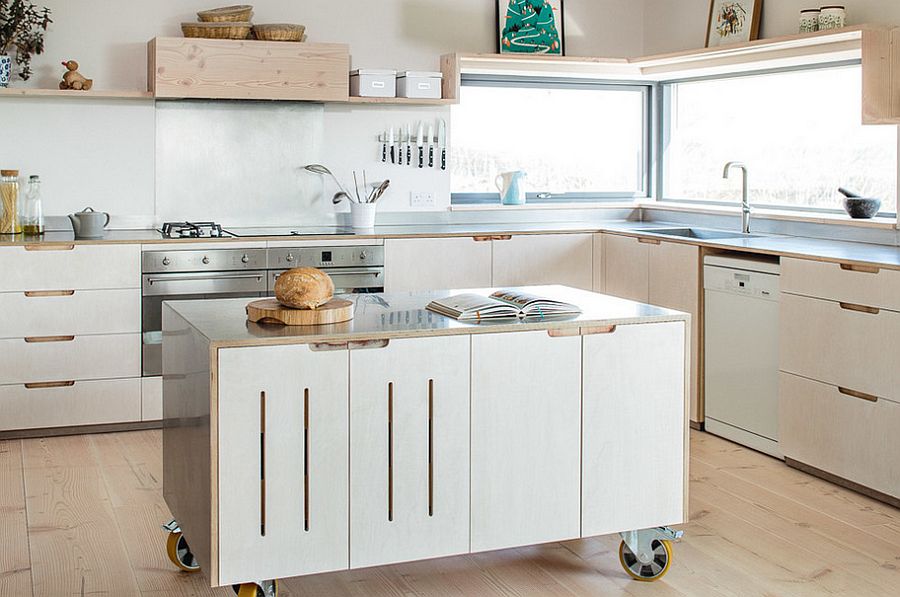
363,255
166,261
290,257
245,259
205,260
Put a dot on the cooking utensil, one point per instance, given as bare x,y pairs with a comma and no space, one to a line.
847,193
384,147
420,143
409,143
322,170
862,208
431,145
89,223
378,191
336,310
339,196
442,143
391,143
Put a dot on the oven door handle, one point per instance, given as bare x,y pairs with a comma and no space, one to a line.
176,278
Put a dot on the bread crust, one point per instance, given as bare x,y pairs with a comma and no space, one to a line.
304,288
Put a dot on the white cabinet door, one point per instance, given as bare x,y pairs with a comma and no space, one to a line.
436,264
626,267
634,428
526,439
409,454
532,259
282,462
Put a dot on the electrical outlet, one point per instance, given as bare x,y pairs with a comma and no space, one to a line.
421,199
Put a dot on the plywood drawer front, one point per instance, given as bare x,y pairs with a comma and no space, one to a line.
81,358
69,313
871,286
227,69
71,267
80,403
849,437
823,341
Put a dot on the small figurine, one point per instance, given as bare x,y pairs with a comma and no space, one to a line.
73,79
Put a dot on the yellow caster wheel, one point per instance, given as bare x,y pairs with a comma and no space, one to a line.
179,552
267,588
657,566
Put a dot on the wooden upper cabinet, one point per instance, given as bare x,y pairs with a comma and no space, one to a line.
247,69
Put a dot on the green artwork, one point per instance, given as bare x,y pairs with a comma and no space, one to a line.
530,28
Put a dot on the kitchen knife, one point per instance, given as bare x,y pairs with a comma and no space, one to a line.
420,143
409,143
393,149
442,143
431,146
384,146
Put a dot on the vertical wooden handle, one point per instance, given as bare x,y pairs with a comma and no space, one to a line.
262,464
390,454
430,447
306,459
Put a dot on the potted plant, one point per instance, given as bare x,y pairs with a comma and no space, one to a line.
22,26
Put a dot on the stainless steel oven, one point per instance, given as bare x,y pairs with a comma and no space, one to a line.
242,273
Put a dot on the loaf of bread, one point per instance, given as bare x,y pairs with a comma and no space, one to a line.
304,288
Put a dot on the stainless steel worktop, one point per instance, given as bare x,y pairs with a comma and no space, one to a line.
403,315
794,246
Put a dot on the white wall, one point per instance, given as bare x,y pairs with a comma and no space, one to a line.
101,153
672,25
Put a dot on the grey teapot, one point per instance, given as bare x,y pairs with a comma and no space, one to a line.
89,223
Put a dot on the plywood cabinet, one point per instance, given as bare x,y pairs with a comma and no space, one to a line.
409,454
282,494
530,259
437,263
659,273
526,431
247,69
634,379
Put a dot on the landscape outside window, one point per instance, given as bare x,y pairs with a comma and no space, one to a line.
585,141
799,132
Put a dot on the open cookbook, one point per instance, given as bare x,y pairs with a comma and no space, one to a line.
503,304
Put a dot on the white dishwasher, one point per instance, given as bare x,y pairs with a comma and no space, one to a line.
741,349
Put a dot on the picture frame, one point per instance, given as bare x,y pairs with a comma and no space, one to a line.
732,21
531,27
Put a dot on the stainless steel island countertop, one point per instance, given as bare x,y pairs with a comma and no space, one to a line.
401,315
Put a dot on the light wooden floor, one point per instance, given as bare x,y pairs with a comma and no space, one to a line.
80,516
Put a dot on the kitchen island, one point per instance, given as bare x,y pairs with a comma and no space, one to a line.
405,435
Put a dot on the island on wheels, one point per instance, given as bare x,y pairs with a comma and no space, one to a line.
404,435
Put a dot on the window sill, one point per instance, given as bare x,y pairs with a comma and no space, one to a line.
543,206
774,214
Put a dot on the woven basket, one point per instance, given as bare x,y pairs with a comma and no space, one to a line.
279,32
240,13
217,30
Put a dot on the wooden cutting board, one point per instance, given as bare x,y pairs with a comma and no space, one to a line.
271,311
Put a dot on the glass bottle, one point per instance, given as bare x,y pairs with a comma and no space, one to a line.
9,202
33,212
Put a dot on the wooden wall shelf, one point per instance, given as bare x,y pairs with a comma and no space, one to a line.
401,101
877,46
69,94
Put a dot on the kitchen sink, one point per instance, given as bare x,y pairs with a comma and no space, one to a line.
698,233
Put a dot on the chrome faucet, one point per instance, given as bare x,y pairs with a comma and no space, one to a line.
745,194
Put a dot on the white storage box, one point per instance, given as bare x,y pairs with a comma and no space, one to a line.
372,82
419,85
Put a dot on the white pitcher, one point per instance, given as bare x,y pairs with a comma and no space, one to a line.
511,187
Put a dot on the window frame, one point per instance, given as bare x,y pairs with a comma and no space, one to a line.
663,129
649,148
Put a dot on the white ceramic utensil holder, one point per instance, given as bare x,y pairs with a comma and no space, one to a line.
362,215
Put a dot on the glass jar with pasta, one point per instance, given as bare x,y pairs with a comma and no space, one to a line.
9,202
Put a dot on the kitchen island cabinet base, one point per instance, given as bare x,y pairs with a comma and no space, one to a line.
291,455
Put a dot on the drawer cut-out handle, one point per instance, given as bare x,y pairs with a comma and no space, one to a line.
482,239
49,247
502,237
860,308
860,395
650,241
47,293
583,331
863,269
40,339
42,385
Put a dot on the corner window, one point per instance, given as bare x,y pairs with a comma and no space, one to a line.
799,132
575,140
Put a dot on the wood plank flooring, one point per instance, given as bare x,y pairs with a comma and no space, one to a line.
80,516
